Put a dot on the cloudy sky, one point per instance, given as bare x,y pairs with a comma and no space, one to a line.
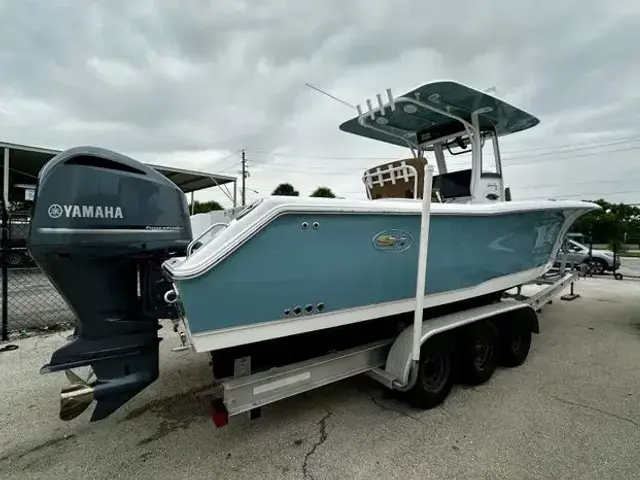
191,83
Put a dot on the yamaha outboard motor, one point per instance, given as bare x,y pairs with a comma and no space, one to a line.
101,226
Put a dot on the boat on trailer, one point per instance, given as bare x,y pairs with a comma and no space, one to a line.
295,293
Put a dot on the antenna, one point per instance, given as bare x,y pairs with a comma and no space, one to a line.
331,96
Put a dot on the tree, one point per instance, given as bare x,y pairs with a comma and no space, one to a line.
324,192
204,207
286,189
611,224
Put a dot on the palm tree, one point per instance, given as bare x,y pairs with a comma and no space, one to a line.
204,207
286,189
324,192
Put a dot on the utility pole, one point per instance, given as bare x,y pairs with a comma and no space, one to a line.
244,179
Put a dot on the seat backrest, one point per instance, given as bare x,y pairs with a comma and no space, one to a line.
396,179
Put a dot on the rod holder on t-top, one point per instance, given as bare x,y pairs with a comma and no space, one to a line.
379,97
370,113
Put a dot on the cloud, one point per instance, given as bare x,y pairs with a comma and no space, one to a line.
190,83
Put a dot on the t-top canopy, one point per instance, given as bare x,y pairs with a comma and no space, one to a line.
436,110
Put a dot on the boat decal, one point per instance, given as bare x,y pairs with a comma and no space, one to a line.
395,241
546,233
497,243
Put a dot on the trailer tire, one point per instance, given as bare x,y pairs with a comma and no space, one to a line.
515,343
15,259
478,352
597,266
435,375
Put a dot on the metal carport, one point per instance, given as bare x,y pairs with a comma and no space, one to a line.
22,163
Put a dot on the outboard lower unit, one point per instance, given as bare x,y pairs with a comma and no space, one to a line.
101,226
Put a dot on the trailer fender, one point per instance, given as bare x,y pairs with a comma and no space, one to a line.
399,364
526,315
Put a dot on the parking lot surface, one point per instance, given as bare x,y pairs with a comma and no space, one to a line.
572,411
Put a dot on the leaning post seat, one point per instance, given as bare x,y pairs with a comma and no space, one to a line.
402,178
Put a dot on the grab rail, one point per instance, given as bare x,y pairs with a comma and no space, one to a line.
202,234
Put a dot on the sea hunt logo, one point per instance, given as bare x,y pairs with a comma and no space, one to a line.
392,241
84,211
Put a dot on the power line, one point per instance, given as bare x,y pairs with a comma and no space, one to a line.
573,144
573,156
507,158
230,167
216,162
564,184
332,171
583,195
577,149
546,197
550,150
228,156
311,157
552,185
534,159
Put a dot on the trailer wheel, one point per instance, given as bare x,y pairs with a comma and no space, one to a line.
515,342
478,352
597,266
435,375
15,259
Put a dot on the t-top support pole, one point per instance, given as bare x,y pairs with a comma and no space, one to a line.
422,262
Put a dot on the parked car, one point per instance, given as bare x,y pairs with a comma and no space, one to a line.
600,261
577,237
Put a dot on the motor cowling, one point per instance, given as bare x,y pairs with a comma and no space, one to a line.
102,224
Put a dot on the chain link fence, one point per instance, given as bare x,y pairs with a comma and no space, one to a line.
30,304
629,255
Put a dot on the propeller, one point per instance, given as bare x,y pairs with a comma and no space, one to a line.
75,398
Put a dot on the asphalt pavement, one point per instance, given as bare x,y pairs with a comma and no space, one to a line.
572,411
